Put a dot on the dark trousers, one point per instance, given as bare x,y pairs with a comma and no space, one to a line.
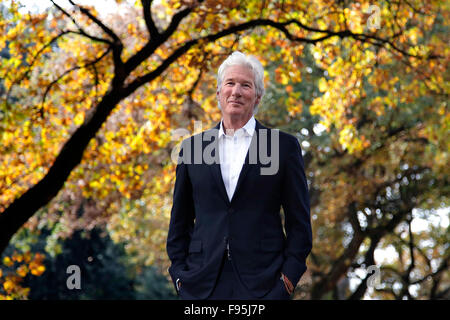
230,287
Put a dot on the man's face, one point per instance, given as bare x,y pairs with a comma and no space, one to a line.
237,95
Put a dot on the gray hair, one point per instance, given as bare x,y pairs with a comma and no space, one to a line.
253,64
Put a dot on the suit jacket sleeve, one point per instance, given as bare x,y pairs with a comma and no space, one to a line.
181,219
295,202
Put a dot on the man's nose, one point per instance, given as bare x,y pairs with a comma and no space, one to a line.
236,90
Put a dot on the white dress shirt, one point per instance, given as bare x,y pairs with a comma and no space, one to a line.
232,152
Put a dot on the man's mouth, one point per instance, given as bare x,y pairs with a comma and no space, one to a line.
235,102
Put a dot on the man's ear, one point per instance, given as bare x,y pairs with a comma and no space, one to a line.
258,100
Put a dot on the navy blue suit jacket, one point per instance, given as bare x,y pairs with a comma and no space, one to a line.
203,219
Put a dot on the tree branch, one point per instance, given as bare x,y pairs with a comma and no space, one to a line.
34,59
343,262
156,40
149,22
116,44
94,19
23,207
369,260
88,64
176,19
81,30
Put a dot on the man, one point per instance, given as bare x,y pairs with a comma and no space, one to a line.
226,238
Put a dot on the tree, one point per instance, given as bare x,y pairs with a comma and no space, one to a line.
364,202
90,106
105,270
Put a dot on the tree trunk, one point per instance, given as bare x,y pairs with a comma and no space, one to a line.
24,207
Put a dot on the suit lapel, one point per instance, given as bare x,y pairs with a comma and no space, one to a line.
215,168
254,163
217,173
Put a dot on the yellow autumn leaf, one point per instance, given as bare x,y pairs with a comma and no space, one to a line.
8,285
17,257
22,271
37,271
322,85
7,261
79,119
27,257
284,79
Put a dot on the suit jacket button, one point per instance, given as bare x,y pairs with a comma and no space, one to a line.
231,210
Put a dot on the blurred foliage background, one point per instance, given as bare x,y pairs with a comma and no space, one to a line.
92,99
